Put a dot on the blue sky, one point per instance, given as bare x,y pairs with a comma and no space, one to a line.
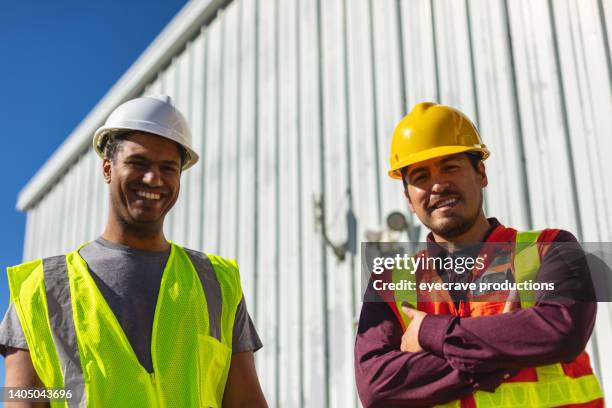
57,60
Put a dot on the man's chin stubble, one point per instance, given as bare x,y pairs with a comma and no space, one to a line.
454,228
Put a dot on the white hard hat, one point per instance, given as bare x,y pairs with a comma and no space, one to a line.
152,114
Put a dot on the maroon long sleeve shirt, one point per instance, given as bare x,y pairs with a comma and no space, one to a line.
463,355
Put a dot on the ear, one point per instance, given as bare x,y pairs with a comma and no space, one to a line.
410,206
483,172
106,170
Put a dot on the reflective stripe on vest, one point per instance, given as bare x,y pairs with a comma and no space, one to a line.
62,327
553,387
60,306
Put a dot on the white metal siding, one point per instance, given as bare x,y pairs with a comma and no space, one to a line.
295,100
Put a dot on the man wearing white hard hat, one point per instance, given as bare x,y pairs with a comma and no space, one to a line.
132,319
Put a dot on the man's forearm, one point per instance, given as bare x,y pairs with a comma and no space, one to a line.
548,333
20,373
408,379
387,376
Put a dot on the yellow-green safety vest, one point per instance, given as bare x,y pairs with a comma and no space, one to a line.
59,304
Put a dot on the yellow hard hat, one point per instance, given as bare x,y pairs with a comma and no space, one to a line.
431,130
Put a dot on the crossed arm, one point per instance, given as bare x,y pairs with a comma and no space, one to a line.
460,355
387,376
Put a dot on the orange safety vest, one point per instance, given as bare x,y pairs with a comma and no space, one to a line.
570,384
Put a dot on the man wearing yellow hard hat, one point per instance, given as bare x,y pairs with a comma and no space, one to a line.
461,350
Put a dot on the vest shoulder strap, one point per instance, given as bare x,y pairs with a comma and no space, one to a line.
23,275
63,331
228,277
529,237
212,289
30,295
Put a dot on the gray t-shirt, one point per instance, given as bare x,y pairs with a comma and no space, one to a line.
129,280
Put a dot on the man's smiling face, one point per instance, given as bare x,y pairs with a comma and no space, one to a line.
144,179
446,194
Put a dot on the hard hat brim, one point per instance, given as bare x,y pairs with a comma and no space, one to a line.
441,151
191,159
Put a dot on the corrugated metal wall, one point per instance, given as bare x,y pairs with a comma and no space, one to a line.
292,101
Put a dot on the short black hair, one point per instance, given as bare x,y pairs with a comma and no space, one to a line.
113,141
111,144
474,157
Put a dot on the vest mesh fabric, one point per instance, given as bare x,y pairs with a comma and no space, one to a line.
552,387
190,366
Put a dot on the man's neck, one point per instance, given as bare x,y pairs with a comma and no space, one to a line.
476,233
148,240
